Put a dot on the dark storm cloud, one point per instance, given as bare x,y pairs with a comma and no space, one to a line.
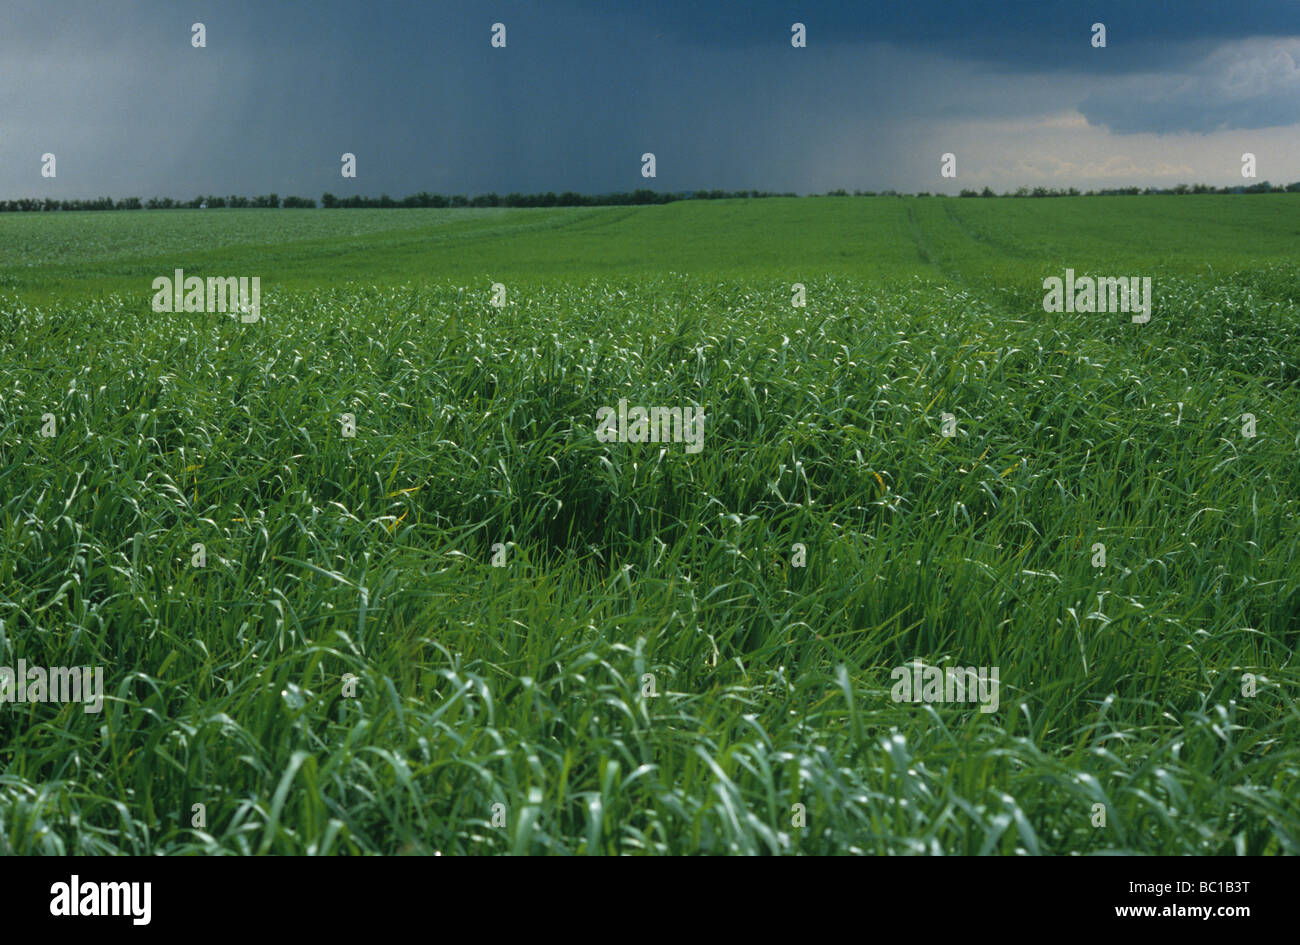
1022,35
415,90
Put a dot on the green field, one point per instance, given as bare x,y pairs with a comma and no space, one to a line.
508,709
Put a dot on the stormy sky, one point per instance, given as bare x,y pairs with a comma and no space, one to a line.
583,87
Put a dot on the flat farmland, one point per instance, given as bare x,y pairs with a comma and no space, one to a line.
367,575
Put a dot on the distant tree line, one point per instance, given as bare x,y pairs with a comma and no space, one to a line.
153,203
549,199
422,199
1264,187
571,199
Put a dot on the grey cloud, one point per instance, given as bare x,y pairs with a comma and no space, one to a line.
1249,84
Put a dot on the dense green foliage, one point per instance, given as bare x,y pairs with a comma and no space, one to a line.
523,685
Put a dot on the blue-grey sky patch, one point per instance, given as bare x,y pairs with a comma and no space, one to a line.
583,88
